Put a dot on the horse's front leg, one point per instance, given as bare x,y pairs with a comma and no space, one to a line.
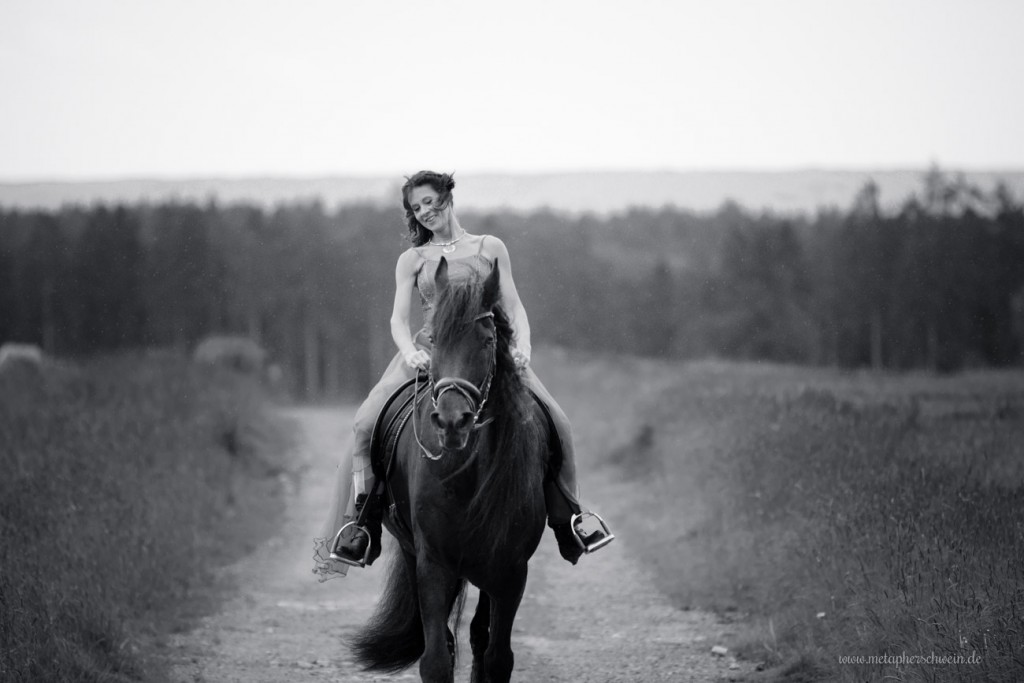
498,659
438,589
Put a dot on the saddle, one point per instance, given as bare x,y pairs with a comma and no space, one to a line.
387,429
389,424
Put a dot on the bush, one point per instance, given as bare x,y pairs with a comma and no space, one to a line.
843,514
119,478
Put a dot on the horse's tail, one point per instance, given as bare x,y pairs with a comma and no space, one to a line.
393,638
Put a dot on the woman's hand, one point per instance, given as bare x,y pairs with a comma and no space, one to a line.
418,360
521,358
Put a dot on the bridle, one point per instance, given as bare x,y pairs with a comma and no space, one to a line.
476,397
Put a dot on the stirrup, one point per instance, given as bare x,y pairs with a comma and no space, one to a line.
604,534
361,562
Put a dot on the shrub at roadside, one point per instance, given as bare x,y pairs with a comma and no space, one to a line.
120,480
846,515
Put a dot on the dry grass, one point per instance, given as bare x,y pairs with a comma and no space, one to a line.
830,513
123,480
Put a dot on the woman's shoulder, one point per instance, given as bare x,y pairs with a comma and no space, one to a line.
492,246
409,261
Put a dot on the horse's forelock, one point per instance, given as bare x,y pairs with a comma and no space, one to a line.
455,311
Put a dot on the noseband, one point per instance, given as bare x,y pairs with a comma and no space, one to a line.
476,397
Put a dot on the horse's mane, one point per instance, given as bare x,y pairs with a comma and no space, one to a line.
514,468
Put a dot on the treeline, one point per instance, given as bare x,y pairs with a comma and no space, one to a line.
937,283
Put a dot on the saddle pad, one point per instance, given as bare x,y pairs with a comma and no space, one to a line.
388,426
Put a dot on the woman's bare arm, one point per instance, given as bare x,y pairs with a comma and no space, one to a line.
510,301
405,283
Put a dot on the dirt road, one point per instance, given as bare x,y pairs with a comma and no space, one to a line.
599,621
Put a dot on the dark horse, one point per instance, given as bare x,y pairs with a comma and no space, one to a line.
467,488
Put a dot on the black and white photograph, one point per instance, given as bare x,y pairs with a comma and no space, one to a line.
549,342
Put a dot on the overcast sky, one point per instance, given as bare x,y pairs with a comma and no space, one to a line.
111,89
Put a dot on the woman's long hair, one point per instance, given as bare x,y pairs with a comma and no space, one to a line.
442,184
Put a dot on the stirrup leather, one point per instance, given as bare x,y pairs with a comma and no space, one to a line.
585,539
361,562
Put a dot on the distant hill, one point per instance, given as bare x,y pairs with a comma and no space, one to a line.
800,191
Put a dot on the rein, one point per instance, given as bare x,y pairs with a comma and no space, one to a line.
477,397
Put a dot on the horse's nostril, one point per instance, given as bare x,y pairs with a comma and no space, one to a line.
459,425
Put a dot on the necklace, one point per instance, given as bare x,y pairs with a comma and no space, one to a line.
447,247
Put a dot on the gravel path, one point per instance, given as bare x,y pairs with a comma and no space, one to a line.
600,621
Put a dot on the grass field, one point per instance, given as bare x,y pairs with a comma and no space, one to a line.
829,514
125,481
826,514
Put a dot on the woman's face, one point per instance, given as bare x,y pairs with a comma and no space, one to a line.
425,203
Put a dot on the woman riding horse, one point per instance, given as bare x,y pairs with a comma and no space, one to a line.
467,507
434,230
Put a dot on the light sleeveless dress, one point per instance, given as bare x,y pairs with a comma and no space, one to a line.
464,269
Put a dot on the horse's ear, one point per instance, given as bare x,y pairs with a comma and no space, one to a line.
441,276
492,286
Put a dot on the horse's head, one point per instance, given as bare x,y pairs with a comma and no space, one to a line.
463,358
